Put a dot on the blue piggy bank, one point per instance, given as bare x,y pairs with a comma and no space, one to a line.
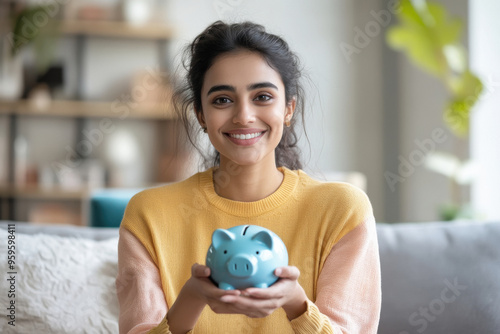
245,256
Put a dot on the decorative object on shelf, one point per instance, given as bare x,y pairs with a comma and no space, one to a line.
20,161
432,41
35,25
123,153
11,73
94,12
39,98
32,25
137,12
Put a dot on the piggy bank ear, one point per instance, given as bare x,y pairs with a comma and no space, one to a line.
264,237
220,236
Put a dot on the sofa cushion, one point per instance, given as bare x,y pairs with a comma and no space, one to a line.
108,205
63,284
440,278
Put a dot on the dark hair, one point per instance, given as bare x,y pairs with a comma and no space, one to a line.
220,38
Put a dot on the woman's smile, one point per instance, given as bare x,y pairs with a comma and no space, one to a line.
245,137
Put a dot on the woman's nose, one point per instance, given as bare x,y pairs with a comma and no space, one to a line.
243,113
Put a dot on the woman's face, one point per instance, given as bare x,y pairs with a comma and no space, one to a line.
244,108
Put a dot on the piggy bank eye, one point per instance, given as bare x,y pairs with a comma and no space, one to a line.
257,252
225,251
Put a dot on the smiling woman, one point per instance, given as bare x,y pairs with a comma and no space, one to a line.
243,86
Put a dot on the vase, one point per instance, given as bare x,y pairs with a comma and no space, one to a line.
11,73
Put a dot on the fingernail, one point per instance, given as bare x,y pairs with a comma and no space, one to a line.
226,299
277,272
206,272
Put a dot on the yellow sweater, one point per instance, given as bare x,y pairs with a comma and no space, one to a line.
175,223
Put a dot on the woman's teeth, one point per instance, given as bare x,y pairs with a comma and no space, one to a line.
247,136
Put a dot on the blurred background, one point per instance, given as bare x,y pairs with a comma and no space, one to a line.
85,85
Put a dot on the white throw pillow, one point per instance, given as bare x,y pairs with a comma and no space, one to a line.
62,285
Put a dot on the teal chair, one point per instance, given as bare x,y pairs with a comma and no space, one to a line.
108,205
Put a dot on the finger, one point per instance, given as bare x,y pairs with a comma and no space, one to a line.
229,299
249,306
290,272
199,270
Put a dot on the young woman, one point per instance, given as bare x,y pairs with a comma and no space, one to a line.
243,87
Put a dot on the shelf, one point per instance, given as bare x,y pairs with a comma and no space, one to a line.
115,29
112,29
37,192
67,108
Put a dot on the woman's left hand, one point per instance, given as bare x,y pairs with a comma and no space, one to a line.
286,293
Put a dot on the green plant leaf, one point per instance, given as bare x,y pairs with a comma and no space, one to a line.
432,41
419,48
30,27
423,34
466,91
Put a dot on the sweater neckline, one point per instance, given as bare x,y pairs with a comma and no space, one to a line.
248,209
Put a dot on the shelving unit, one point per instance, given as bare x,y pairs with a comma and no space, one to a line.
78,109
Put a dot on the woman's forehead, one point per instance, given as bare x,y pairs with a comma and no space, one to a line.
241,69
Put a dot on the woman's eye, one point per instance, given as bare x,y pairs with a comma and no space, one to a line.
263,98
221,100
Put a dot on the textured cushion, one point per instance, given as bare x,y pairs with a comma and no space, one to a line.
62,285
440,278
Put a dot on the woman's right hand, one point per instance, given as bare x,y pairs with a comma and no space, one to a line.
197,292
202,288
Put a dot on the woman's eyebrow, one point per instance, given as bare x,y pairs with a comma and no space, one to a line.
265,84
258,85
221,87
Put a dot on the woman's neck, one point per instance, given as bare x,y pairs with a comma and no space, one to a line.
246,183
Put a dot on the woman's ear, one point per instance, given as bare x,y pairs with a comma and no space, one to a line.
290,108
200,117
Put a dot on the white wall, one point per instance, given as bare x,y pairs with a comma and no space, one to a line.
485,134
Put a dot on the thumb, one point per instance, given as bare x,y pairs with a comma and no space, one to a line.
199,270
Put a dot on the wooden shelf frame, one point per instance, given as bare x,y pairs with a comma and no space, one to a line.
88,109
116,29
107,28
38,192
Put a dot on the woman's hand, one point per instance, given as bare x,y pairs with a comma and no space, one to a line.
197,292
202,288
258,303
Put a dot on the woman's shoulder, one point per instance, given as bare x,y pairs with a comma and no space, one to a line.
333,191
170,192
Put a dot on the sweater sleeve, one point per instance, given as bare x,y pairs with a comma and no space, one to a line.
349,287
142,302
140,296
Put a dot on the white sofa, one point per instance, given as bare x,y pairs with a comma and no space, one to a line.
436,278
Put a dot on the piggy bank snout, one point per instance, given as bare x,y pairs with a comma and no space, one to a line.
242,265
